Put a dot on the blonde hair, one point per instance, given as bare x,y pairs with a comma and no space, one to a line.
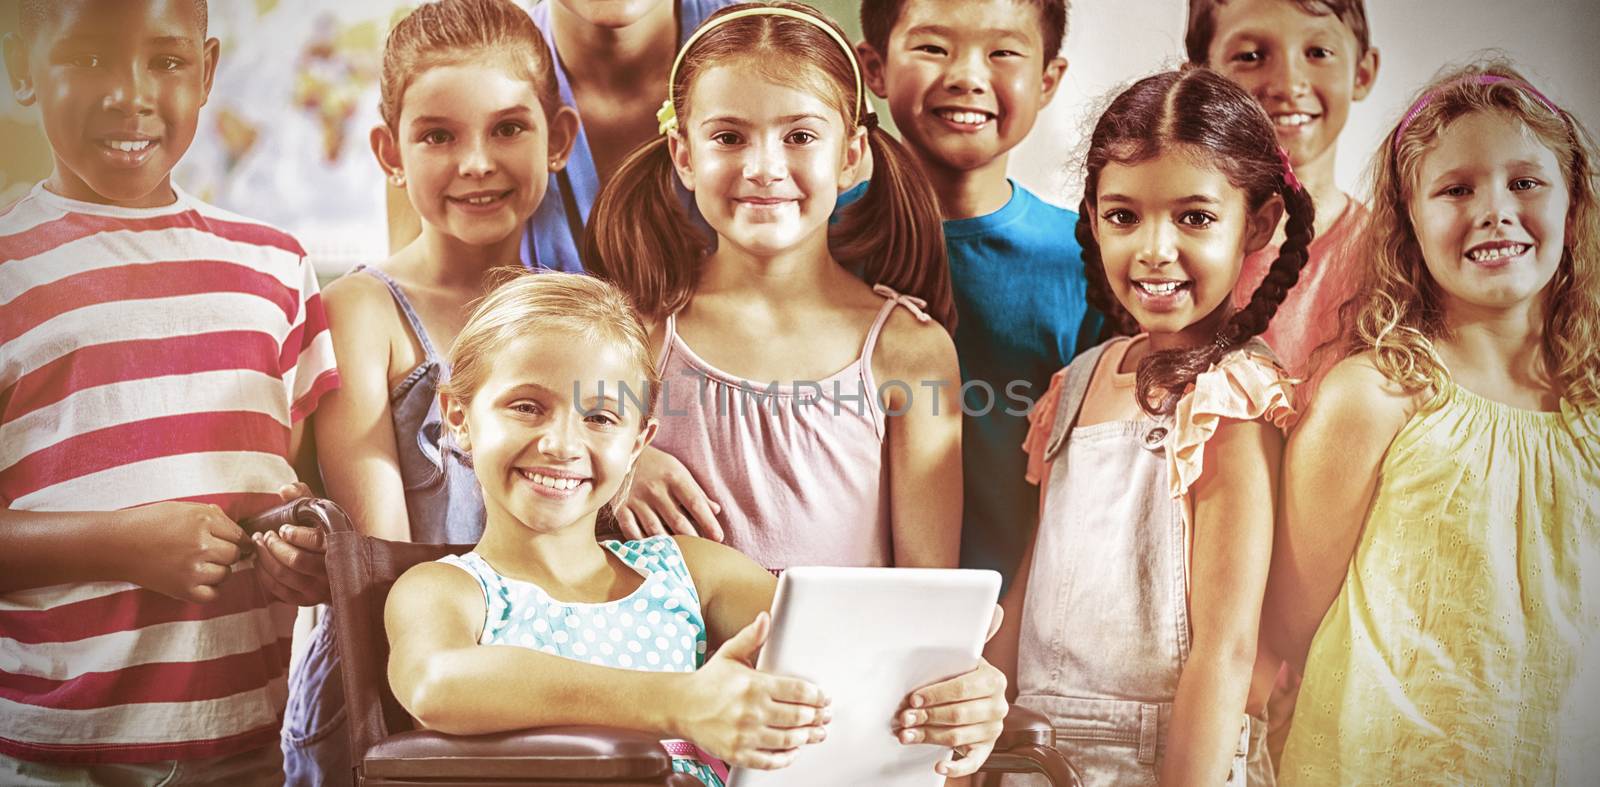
529,302
1398,310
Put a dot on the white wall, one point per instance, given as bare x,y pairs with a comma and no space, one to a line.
1556,43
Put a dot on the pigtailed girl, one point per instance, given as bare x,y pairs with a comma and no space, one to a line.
820,411
1138,604
1440,537
472,126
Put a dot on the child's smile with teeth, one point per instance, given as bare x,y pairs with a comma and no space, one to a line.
965,80
1160,287
471,144
560,484
118,88
964,117
482,198
1490,205
1499,250
549,445
1173,231
1302,62
1292,119
128,145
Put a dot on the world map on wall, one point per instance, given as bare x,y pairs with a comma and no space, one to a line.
285,134
333,74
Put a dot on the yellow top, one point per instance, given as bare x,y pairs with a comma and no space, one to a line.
1461,648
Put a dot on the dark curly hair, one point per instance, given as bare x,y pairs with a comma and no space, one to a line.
1198,109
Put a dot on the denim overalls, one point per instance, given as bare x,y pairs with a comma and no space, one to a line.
444,505
1105,624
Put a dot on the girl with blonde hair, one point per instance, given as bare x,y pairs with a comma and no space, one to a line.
1439,540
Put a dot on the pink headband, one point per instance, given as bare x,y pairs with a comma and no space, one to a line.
1481,79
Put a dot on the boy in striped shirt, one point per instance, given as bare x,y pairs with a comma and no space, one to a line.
157,359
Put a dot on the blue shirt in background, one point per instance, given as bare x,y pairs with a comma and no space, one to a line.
1019,289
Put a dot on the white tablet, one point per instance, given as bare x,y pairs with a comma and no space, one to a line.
867,637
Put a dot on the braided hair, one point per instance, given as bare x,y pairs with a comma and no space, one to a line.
1198,109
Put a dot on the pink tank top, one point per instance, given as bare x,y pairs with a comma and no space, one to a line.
797,467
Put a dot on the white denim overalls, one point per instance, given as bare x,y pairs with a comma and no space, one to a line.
1105,625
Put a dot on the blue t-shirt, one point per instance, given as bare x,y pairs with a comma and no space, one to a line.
1017,276
553,235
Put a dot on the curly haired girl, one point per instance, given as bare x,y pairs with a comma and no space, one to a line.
1440,536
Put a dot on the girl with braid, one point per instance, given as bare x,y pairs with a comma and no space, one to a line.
1133,619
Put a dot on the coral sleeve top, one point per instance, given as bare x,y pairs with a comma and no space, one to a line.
1246,384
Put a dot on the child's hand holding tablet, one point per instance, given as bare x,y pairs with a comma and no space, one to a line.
733,707
897,651
965,713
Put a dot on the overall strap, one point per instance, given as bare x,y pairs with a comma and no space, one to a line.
569,203
405,307
530,247
1079,373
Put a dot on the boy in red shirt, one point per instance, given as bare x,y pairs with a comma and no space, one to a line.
157,358
1306,61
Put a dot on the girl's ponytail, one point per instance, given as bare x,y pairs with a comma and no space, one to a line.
894,234
641,238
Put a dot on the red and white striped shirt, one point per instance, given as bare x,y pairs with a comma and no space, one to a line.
148,355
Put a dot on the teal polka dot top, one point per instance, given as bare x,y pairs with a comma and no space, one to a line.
657,628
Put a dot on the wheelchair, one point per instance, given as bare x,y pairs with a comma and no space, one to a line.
388,750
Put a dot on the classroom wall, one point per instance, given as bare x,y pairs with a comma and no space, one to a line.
1113,42
285,135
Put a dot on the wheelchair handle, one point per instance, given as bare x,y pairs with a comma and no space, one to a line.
316,512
